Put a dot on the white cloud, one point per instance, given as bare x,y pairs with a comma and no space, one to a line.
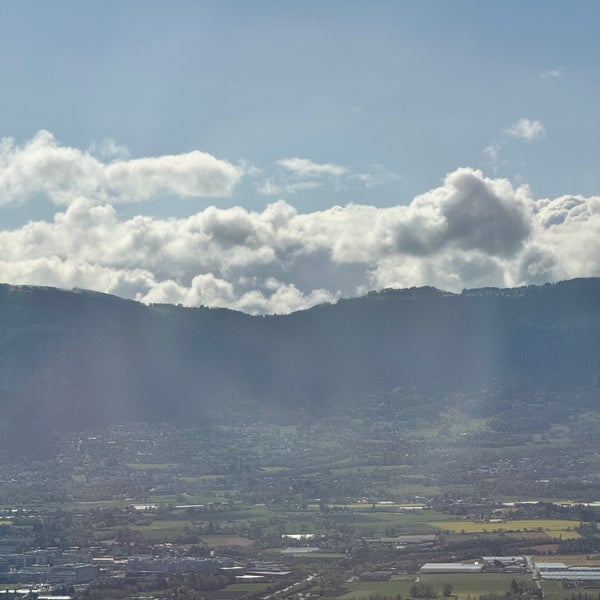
298,174
271,187
469,231
492,152
43,167
523,129
108,149
377,176
526,129
555,73
303,167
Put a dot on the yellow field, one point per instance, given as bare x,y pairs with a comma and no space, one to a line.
554,528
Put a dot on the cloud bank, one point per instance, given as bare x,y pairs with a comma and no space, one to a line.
43,167
470,231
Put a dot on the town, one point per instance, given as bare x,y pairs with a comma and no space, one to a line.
353,508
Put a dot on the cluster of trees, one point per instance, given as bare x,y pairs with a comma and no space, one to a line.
190,586
420,589
113,589
518,591
201,581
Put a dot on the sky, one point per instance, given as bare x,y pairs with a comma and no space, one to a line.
268,156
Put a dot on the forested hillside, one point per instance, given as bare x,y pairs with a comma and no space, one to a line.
76,359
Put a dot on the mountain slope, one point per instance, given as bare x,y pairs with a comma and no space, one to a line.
75,359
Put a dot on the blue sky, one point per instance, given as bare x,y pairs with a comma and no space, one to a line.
313,105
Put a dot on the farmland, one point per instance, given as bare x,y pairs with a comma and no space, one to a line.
475,585
333,500
552,528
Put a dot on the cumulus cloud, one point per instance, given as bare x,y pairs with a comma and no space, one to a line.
109,149
469,231
44,167
526,129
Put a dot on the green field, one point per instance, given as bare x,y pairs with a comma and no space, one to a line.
476,584
366,523
226,541
464,585
166,530
553,590
315,555
366,589
151,466
249,587
203,478
575,560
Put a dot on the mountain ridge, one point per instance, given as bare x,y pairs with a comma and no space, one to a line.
76,359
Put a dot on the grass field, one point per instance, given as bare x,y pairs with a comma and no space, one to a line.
315,555
151,466
554,528
392,512
366,589
270,469
553,590
476,584
373,521
368,506
248,587
203,479
166,530
226,541
573,560
464,585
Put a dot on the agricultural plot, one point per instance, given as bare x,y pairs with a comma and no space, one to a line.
176,499
554,528
367,589
151,466
248,587
365,520
554,590
476,584
164,530
203,479
381,523
576,560
319,556
226,541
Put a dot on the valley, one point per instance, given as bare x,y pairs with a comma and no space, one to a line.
337,506
406,444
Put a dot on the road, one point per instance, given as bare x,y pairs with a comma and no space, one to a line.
290,589
535,574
